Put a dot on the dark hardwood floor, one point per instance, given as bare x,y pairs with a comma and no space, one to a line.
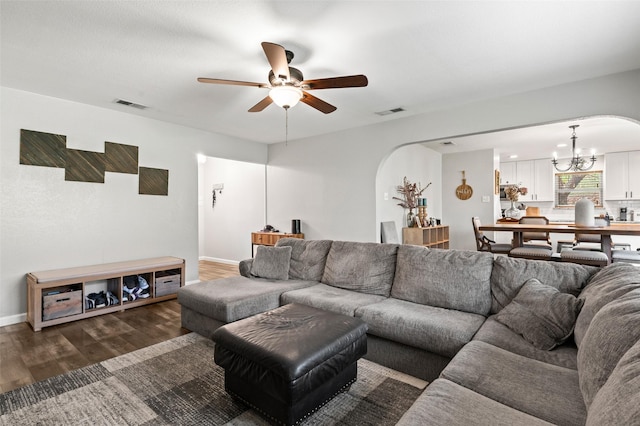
27,356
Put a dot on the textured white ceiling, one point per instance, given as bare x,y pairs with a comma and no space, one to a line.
418,55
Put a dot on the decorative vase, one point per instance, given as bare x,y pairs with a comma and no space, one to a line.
422,215
512,212
584,210
410,218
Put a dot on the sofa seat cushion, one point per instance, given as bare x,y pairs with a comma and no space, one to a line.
500,335
308,257
544,316
363,267
437,330
542,390
330,298
233,298
452,279
445,403
509,275
609,284
612,332
616,403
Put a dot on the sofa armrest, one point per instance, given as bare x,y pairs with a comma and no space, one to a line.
245,267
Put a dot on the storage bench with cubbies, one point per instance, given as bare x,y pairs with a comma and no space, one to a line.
63,295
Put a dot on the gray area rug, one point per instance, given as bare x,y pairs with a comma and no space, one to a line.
177,383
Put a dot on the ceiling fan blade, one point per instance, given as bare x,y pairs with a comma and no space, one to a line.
336,82
261,105
317,103
231,82
277,58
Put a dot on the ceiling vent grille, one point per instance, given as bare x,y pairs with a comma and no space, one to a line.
390,111
130,104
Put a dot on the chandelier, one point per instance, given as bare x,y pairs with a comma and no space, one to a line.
577,163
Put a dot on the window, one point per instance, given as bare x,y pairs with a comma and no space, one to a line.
570,187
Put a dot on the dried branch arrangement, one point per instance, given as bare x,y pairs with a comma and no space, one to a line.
410,192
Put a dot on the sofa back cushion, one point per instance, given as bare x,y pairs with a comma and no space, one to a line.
616,403
612,332
509,275
272,263
308,257
452,279
364,267
609,284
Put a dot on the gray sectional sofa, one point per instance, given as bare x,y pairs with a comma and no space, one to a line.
501,341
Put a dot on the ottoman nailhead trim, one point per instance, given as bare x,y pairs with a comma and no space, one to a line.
339,391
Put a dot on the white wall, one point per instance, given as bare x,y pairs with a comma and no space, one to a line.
239,209
479,167
329,181
47,222
419,164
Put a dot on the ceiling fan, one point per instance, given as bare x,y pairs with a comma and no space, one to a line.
288,86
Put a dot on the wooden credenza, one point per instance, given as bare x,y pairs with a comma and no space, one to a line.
431,236
269,238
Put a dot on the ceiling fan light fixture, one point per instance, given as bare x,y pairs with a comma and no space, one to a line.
285,96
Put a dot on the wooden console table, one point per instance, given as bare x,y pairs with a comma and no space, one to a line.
430,236
270,238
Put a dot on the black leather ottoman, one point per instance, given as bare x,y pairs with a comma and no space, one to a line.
288,362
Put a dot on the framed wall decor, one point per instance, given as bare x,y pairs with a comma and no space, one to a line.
496,182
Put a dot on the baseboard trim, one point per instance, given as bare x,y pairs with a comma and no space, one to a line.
215,259
13,319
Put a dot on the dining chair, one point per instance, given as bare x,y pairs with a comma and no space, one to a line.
626,256
534,251
594,241
589,241
483,243
587,248
584,257
535,236
388,233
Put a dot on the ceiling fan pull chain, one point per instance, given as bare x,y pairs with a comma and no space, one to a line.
286,126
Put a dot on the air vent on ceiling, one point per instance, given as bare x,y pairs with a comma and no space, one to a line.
130,104
390,111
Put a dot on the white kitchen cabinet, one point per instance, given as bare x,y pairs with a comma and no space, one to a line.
535,175
543,180
622,176
508,173
526,177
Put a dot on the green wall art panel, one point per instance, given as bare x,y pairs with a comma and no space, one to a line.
121,158
153,181
42,149
50,150
84,166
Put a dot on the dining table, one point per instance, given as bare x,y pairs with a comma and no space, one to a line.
605,232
